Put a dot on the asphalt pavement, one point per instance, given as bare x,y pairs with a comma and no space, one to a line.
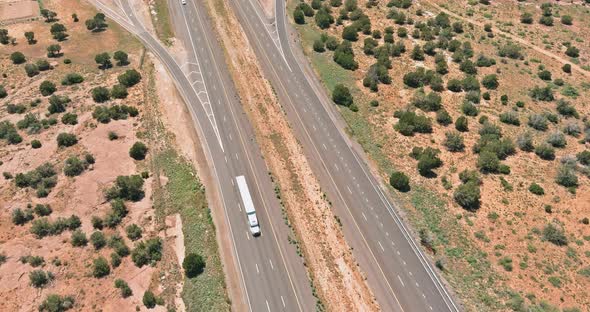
272,275
400,275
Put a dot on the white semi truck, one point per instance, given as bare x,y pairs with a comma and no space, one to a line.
248,205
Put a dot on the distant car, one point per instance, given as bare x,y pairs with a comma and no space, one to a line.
183,2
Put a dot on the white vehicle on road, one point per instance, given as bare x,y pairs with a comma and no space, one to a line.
183,2
248,205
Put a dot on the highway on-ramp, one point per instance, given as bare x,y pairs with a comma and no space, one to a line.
400,275
272,275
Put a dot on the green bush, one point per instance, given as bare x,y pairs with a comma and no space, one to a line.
428,161
468,195
98,240
101,94
138,151
66,139
149,300
488,162
3,92
554,234
39,278
146,252
133,232
72,78
469,109
121,57
557,139
298,16
57,104
538,122
454,142
69,119
566,176
79,239
31,70
542,94
56,303
510,118
21,217
47,88
427,102
43,210
74,167
17,58
399,181
536,189
462,124
124,287
344,56
545,151
490,82
193,265
130,78
341,95
410,123
100,267
127,187
119,91
584,157
443,117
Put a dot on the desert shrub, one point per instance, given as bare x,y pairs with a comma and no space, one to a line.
138,151
133,232
542,94
341,95
100,267
124,287
545,151
468,67
97,223
118,244
427,102
538,122
443,117
17,58
298,16
554,234
536,189
42,227
101,94
149,299
66,139
557,139
399,181
74,167
428,161
40,278
57,104
193,265
566,109
510,50
31,70
572,51
21,217
47,88
146,252
319,46
78,239
56,303
567,68
490,82
469,109
566,176
3,92
43,65
462,124
69,119
525,142
584,157
344,56
510,118
409,123
42,178
119,91
488,162
468,195
544,75
454,142
42,210
323,18
117,213
127,187
98,240
72,78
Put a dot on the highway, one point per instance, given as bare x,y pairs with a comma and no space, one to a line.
273,277
400,275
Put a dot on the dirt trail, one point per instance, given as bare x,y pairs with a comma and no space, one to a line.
338,280
515,38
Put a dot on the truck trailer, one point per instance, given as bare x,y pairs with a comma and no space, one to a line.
248,205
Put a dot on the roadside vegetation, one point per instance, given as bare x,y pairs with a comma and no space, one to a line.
476,133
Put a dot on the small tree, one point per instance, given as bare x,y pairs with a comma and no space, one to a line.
56,303
100,267
130,78
124,287
399,181
490,82
40,278
98,240
103,60
454,142
428,160
298,16
54,50
341,95
121,57
138,151
133,232
193,265
119,91
566,176
17,58
48,15
47,88
149,300
73,167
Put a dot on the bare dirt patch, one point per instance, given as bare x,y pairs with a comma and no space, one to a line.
18,10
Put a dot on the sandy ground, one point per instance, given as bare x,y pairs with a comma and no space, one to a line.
16,10
335,274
